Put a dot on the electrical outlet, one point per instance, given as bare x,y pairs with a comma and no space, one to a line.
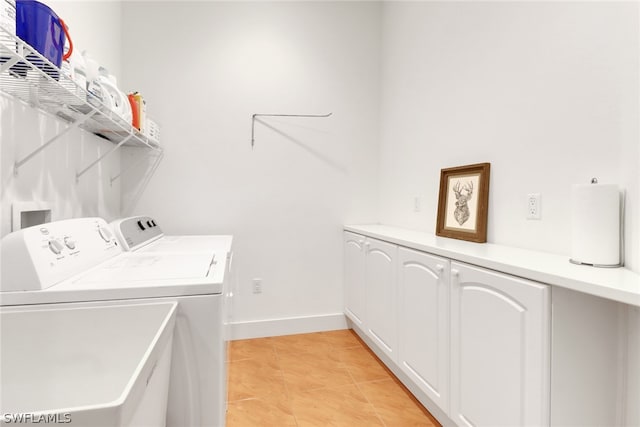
533,206
416,204
257,286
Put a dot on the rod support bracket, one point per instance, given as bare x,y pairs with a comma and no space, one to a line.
254,115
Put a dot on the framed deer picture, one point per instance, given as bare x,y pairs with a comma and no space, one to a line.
463,202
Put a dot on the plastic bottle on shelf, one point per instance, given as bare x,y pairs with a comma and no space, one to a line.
143,114
138,111
96,94
118,101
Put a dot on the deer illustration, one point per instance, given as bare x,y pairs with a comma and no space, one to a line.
463,195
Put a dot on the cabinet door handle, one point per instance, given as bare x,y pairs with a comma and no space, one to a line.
361,242
439,268
455,272
367,244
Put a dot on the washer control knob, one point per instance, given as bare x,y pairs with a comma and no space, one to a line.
105,233
56,246
149,224
141,225
69,242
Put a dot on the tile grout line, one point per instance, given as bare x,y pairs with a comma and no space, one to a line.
357,384
371,403
286,385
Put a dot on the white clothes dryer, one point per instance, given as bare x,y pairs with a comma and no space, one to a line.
142,233
80,260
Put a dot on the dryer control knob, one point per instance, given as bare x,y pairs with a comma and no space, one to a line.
105,234
140,225
55,246
70,243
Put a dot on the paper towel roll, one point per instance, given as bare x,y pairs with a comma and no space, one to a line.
595,224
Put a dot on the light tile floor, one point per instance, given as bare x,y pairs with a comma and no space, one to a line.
320,379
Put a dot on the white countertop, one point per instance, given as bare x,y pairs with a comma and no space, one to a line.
618,284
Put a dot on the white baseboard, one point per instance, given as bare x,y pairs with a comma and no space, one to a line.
287,326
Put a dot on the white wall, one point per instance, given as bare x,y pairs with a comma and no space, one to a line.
50,175
205,68
547,92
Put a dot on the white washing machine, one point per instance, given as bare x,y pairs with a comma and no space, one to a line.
80,260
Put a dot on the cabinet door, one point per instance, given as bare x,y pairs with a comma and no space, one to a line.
380,282
499,349
354,290
423,322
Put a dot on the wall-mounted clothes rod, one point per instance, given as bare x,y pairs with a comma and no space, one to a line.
253,120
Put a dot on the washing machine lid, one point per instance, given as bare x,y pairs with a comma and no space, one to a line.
135,275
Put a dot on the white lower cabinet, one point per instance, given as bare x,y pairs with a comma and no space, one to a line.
476,342
500,349
354,290
370,289
381,290
423,322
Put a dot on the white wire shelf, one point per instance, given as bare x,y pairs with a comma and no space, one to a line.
27,75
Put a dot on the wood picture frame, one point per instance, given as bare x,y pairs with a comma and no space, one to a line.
463,202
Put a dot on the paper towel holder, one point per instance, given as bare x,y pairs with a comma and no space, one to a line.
594,180
620,264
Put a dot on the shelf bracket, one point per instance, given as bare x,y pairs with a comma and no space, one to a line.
122,172
72,126
253,121
10,63
14,55
96,161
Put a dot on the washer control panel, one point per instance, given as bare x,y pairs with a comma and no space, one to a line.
38,257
